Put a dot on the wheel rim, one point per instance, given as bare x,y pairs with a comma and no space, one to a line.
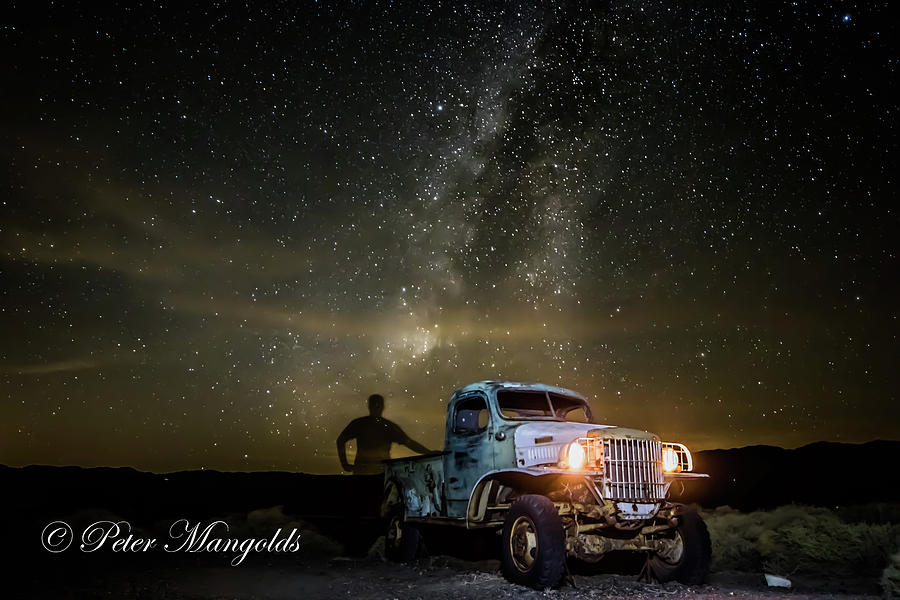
523,544
671,550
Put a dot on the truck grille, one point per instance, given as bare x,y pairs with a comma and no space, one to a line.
633,470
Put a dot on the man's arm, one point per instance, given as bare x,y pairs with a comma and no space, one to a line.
401,438
346,436
416,446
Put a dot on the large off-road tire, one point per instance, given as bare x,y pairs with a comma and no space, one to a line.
534,543
687,558
402,541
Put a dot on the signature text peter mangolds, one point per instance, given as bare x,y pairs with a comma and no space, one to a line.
184,536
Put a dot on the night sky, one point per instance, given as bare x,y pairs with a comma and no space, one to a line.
223,227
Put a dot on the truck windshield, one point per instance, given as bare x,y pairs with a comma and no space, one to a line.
531,404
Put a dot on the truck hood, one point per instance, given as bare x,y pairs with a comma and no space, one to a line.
540,442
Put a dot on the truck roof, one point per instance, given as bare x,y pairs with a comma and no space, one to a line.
490,385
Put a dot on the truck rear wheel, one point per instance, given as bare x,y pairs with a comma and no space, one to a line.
534,543
402,541
686,557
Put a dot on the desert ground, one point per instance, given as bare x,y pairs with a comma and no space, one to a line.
433,578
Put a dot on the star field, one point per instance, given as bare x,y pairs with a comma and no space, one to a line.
224,226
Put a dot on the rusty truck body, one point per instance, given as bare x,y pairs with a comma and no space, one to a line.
528,460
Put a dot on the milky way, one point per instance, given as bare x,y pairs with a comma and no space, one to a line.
224,227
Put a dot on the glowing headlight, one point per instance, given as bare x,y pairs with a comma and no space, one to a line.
575,457
676,458
670,460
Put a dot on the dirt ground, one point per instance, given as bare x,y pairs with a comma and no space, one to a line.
434,578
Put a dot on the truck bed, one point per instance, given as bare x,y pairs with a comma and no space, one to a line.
422,479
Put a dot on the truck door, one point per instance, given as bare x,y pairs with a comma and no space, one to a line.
470,453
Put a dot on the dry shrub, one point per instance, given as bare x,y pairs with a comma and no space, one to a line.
797,538
871,512
263,523
890,578
376,550
734,536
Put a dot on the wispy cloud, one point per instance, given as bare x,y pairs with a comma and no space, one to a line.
59,366
127,233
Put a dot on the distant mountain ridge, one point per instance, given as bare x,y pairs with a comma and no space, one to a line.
821,473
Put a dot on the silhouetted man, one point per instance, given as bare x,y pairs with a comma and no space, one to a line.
374,436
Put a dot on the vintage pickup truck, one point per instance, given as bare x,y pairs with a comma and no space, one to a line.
527,459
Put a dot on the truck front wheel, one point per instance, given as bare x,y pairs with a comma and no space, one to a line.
686,556
534,543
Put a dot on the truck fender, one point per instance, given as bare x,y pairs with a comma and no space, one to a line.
400,484
515,477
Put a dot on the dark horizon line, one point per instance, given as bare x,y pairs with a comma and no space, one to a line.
211,470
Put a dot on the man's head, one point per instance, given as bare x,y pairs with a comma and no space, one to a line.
376,405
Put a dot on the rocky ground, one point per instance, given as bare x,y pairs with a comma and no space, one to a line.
434,578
